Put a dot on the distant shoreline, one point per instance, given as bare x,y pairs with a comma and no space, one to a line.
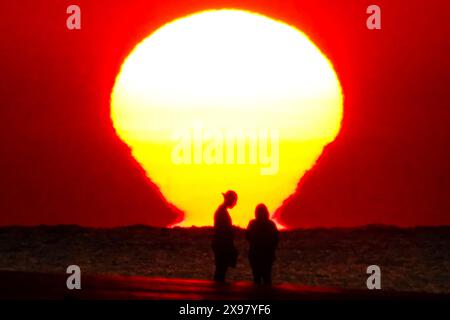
150,227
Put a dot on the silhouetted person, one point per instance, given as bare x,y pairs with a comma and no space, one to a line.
262,235
225,253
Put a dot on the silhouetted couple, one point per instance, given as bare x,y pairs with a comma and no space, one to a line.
262,235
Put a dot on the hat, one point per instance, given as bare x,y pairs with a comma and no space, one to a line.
230,195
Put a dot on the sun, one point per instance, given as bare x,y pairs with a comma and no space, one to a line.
226,99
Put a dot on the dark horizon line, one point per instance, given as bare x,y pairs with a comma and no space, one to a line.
372,226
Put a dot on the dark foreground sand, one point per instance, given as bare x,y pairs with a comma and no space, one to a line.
416,259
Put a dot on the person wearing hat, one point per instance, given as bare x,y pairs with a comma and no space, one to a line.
225,253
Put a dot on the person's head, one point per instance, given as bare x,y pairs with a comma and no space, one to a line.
230,198
261,212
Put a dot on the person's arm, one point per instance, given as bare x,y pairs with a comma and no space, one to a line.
248,232
276,237
220,222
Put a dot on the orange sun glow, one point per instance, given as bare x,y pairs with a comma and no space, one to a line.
226,99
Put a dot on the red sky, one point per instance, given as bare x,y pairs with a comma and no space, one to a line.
61,161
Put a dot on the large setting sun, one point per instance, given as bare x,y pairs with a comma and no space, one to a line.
226,99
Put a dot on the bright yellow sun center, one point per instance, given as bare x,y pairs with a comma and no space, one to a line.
226,99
